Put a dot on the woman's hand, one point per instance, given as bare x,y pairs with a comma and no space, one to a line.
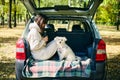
45,38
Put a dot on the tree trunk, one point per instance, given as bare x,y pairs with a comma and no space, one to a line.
2,15
118,18
15,13
10,9
2,20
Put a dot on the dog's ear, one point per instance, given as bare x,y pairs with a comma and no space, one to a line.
65,38
55,38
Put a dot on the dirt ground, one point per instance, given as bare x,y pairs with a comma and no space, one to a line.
8,38
112,38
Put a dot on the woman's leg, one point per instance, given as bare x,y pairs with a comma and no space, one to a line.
48,51
51,49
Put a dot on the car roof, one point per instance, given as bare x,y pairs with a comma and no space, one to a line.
41,6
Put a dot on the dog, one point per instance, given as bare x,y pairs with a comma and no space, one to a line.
64,51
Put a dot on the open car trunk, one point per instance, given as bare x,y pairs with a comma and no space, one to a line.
86,8
80,41
61,69
86,42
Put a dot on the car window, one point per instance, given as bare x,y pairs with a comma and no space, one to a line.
71,3
70,25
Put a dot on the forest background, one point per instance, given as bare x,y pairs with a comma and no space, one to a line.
13,11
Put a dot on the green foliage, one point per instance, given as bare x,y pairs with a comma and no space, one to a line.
4,9
51,3
102,16
107,13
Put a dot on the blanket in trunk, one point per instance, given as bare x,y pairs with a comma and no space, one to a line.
51,68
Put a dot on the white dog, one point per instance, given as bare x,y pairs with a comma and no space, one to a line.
64,51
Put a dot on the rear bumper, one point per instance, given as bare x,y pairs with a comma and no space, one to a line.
19,64
61,78
100,73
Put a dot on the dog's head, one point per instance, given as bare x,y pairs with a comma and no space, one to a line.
60,40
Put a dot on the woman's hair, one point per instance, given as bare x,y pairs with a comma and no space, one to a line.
41,16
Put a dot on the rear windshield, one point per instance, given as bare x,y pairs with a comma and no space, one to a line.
70,25
71,3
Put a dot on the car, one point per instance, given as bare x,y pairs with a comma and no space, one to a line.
75,21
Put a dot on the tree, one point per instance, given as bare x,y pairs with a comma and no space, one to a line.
107,12
10,9
2,14
118,17
14,13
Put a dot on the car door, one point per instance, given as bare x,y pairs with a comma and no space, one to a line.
84,8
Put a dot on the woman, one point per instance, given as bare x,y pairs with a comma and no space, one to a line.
39,49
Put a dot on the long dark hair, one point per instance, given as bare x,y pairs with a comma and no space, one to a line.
41,19
42,16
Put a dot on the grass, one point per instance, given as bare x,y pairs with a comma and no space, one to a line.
8,38
112,39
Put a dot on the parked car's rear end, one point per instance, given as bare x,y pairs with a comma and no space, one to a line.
84,39
86,43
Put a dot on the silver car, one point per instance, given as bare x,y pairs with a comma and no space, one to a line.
72,19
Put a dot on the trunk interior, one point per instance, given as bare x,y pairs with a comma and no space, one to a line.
80,41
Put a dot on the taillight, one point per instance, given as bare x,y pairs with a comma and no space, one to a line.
20,50
101,51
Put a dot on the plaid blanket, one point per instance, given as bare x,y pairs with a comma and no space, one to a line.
50,68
